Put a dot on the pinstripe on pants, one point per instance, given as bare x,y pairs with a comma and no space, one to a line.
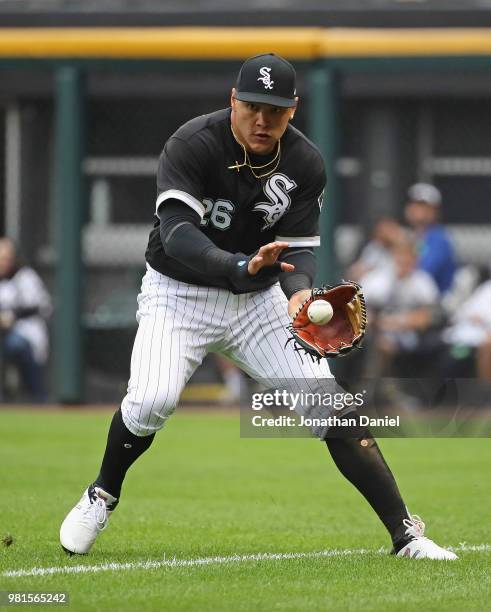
178,324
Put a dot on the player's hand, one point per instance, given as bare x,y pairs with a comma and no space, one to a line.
297,299
268,256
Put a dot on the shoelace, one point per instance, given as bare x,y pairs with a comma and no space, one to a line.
415,526
98,509
100,512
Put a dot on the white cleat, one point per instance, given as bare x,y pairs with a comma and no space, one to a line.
86,520
420,547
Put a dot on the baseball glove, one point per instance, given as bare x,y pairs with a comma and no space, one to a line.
342,333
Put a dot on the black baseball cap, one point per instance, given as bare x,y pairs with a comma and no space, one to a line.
267,78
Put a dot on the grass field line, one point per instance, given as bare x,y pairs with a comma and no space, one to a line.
170,563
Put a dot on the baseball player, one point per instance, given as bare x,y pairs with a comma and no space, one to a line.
229,260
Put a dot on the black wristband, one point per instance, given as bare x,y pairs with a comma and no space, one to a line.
243,282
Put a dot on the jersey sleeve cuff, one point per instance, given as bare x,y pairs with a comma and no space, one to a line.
300,241
182,196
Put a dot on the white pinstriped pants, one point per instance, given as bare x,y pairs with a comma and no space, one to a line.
178,324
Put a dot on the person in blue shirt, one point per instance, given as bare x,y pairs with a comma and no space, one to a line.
436,254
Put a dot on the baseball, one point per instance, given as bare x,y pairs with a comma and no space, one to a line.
320,312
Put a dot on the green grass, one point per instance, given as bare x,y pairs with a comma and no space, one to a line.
203,491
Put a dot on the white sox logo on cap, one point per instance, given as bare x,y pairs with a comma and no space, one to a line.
255,82
266,77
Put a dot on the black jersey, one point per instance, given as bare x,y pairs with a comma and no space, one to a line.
239,212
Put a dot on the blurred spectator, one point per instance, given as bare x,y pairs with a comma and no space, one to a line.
374,269
406,317
468,338
436,253
466,280
24,306
376,255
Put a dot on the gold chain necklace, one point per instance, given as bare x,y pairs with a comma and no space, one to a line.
247,161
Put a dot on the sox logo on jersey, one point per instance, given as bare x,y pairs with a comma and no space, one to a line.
219,212
276,189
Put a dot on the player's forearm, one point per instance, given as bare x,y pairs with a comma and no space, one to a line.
184,241
189,245
303,276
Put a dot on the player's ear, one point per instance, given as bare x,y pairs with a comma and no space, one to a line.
232,99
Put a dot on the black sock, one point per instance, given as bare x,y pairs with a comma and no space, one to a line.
122,449
359,459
